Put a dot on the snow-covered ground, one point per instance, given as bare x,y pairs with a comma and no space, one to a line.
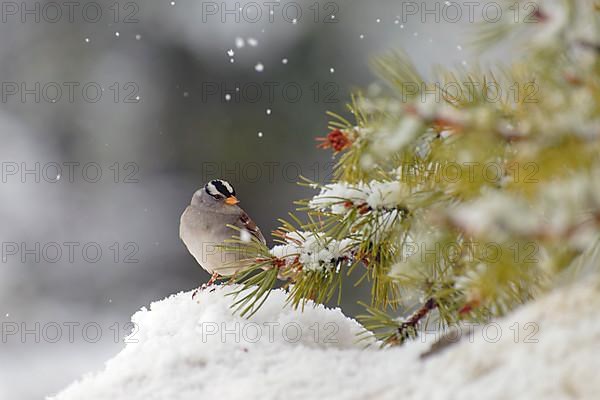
196,349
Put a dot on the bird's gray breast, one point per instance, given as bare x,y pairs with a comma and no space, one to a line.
203,233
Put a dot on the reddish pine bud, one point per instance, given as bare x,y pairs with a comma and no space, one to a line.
336,139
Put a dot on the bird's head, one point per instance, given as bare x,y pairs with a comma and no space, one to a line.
219,191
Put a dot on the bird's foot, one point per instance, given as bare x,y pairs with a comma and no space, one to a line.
196,292
206,285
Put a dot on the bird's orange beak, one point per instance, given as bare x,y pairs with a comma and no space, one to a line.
231,200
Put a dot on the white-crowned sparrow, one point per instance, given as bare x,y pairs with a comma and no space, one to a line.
203,228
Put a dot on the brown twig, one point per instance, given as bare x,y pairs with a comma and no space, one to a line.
418,315
408,328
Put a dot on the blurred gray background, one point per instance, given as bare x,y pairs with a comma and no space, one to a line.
109,122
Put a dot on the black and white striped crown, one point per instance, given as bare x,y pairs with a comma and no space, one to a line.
219,187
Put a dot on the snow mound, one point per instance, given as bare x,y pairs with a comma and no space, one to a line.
196,349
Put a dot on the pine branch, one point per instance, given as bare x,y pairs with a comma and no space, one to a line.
390,189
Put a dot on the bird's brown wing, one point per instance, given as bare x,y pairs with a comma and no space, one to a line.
246,222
